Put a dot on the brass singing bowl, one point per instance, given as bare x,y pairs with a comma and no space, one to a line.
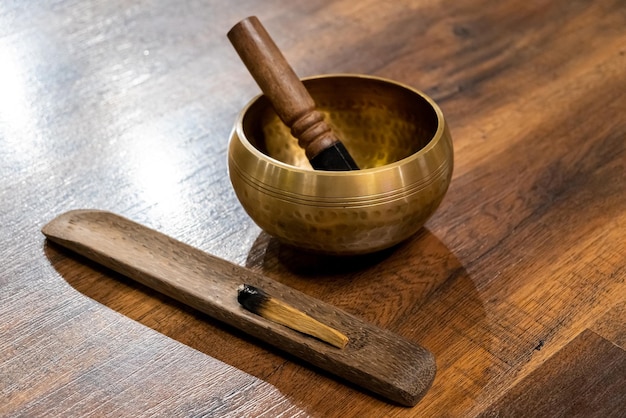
396,134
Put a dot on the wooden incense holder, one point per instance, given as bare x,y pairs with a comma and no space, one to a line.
289,97
375,359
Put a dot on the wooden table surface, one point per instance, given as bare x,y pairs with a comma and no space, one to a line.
516,284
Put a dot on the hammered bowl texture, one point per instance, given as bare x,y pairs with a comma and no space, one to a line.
398,137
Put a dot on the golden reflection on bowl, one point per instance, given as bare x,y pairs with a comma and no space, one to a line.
397,136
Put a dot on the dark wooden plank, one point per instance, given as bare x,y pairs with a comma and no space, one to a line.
127,107
583,379
612,325
374,358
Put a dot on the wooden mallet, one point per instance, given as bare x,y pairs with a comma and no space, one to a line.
290,98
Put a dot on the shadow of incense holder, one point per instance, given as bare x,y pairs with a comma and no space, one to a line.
290,98
372,358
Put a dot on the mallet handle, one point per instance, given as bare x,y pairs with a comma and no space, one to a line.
278,81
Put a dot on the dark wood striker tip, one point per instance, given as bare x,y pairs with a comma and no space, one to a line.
289,97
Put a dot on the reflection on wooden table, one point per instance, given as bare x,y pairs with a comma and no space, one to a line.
515,284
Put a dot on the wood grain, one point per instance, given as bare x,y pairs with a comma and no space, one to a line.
585,378
374,359
127,107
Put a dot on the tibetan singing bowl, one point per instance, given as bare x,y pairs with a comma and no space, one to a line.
399,139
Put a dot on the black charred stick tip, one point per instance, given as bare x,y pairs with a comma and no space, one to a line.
252,298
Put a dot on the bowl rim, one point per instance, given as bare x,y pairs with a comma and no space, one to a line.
439,133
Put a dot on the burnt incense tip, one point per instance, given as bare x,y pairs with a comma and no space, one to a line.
251,298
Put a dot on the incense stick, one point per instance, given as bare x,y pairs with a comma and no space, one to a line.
257,301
